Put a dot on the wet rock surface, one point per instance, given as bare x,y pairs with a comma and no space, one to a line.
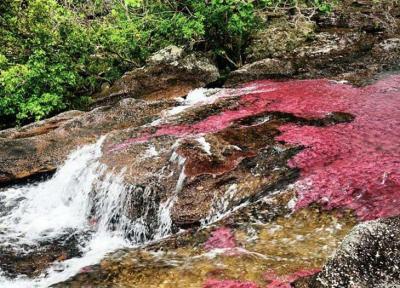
244,158
235,254
338,154
41,147
238,170
32,261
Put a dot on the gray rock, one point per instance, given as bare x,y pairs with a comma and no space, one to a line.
167,55
368,257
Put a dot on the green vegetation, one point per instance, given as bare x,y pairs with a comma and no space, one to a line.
55,53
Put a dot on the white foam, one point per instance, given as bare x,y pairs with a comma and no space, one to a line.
151,152
196,97
220,207
204,145
45,210
83,196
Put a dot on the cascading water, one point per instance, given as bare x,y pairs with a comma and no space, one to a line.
86,200
82,198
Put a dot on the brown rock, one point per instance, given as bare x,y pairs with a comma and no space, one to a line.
171,72
42,146
266,68
355,42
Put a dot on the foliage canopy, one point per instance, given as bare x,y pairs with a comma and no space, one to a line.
55,53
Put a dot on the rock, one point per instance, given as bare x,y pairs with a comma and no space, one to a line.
32,262
348,44
327,45
327,54
41,127
167,55
236,146
181,164
332,53
43,146
266,68
169,73
368,257
279,38
388,50
378,17
290,245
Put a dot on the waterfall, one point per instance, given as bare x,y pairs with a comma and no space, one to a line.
89,200
84,197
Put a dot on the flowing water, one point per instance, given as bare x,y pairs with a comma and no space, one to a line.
90,201
84,198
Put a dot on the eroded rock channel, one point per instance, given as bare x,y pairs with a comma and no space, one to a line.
255,186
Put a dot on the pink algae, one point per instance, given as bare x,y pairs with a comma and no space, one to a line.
274,280
354,165
286,280
212,283
221,238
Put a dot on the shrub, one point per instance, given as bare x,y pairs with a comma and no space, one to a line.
55,53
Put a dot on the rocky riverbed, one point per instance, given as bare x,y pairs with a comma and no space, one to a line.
286,176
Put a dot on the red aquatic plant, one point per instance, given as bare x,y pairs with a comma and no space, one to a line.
354,165
213,283
285,281
220,238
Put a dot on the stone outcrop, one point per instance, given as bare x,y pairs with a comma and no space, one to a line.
368,257
280,37
168,73
265,68
41,147
353,43
234,138
263,181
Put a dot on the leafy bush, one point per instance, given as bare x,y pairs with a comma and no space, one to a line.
55,53
44,53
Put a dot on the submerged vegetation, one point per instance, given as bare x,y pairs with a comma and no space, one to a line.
55,54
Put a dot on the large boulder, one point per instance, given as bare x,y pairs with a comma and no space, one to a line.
41,147
368,257
280,37
170,72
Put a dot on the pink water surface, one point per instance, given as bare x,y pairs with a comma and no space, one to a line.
213,283
221,238
285,281
354,165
